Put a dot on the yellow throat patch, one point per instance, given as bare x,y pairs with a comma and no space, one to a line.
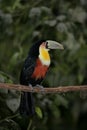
44,56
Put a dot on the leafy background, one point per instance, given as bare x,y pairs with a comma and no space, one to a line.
23,22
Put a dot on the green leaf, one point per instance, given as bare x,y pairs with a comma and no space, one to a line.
13,103
39,112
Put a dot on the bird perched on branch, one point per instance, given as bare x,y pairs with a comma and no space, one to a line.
34,70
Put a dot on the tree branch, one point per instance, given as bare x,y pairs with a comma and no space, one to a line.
62,89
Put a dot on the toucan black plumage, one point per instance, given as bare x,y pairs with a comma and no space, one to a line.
34,70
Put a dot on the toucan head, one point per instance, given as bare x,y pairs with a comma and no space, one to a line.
44,47
49,44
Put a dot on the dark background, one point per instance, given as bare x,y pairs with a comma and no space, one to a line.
23,22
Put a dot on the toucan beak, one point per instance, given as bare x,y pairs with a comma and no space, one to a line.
54,45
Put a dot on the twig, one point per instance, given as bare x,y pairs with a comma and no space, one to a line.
9,117
61,89
29,125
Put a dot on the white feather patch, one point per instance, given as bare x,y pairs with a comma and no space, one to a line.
43,61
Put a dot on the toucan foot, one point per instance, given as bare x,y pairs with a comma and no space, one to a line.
30,85
41,87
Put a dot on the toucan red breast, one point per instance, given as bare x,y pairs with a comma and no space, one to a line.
40,70
34,70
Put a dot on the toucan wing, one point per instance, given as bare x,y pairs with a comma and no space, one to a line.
27,70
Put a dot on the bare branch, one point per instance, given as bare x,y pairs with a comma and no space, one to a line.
61,89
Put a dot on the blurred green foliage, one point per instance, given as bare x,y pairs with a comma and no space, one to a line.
23,22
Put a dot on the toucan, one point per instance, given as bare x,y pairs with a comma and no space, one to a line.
34,71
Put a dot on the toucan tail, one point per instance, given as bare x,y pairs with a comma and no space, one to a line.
27,104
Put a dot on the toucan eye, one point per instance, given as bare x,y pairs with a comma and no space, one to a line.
47,45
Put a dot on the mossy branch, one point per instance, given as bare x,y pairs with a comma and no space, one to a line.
61,89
